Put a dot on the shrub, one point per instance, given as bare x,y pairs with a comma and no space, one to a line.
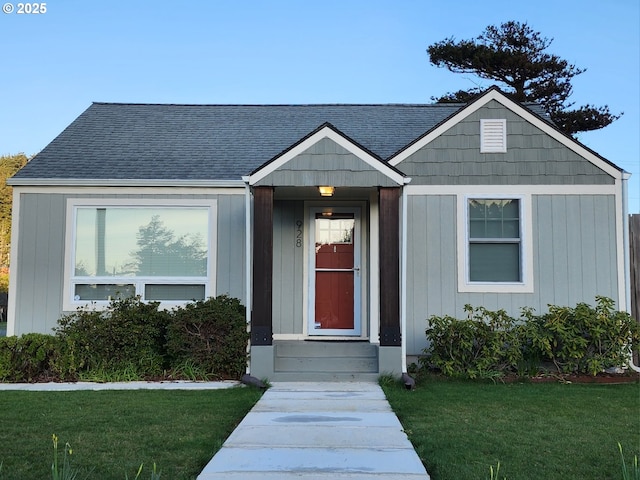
211,336
483,345
583,339
28,358
127,334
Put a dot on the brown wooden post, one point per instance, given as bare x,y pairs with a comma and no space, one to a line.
390,333
261,314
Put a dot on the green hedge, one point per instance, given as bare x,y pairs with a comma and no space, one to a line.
210,336
129,335
133,340
29,358
583,339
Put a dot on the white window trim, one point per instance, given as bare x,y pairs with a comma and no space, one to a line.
526,247
501,146
68,302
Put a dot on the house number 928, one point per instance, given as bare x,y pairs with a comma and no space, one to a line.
298,233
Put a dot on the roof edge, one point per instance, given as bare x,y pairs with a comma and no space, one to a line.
113,182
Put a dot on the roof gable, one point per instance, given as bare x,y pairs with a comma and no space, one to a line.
348,160
495,94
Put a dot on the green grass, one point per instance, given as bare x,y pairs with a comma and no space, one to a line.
113,432
536,431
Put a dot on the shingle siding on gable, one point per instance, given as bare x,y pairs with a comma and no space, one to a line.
326,163
532,157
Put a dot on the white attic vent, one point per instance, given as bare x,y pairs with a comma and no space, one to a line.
493,136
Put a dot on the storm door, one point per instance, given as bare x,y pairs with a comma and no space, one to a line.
335,272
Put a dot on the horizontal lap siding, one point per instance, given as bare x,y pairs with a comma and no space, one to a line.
41,251
574,259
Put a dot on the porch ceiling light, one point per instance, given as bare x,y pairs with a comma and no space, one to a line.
326,191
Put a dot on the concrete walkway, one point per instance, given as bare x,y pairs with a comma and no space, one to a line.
316,431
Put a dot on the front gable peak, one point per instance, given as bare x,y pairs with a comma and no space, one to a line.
326,157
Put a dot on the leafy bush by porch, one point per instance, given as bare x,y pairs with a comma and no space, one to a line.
211,335
133,340
583,339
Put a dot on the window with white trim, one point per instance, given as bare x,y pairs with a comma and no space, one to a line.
494,240
495,253
493,136
159,252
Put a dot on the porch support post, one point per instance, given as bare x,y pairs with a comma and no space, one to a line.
390,332
261,315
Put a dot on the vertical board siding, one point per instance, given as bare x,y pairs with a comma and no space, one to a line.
230,255
574,259
41,253
634,260
40,263
288,258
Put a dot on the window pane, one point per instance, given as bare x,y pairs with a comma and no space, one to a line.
174,292
494,262
494,218
511,228
103,292
334,230
154,241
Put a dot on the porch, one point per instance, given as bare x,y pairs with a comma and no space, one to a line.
324,270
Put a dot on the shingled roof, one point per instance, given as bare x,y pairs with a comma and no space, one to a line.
125,142
214,142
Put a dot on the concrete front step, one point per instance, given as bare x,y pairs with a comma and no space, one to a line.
308,348
325,361
323,377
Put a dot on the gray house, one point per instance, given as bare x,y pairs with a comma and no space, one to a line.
341,227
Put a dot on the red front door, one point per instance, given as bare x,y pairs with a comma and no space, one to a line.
335,274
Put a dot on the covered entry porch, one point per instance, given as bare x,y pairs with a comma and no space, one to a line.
324,275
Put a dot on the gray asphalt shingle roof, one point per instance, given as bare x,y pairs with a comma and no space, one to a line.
214,142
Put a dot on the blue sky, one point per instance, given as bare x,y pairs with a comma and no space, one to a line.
360,51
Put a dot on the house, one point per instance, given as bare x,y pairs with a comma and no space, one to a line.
341,227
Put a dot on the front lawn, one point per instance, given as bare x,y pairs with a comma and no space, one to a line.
112,432
536,431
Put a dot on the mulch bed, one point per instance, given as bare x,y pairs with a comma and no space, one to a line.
601,378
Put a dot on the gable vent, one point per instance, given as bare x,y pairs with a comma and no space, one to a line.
493,136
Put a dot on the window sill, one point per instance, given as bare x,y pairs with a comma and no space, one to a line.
495,287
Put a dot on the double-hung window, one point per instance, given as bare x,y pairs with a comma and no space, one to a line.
494,240
158,252
495,245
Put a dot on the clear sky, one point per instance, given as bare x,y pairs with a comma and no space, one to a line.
54,64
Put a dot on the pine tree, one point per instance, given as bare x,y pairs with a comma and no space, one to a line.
514,55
